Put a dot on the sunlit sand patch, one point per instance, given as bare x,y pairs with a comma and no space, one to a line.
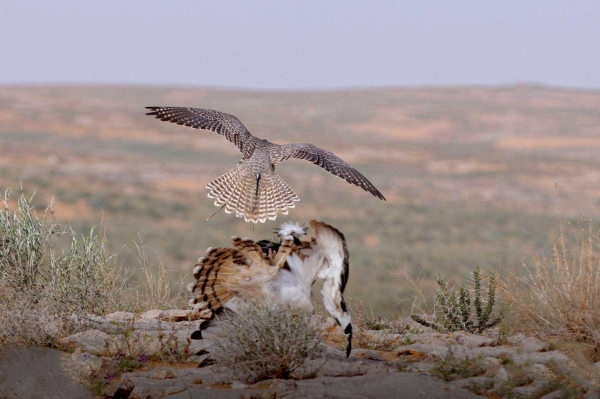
403,127
464,167
71,212
371,240
532,143
181,184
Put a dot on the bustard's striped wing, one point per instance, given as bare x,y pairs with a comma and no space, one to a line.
328,161
219,122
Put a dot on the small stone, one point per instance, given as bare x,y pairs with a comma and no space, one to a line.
151,314
282,386
121,317
92,341
553,395
341,368
163,374
238,385
473,340
372,355
501,375
175,388
532,344
176,315
490,361
597,365
86,361
538,368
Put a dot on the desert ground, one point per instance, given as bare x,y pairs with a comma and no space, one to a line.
472,175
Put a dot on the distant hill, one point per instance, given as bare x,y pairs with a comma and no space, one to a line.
469,172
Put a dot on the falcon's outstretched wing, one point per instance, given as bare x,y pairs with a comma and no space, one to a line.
328,161
207,119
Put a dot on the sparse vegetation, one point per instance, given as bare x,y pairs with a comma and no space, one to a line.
560,296
110,368
48,292
264,341
452,368
372,332
454,311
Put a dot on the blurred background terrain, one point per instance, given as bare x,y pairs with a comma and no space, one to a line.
472,175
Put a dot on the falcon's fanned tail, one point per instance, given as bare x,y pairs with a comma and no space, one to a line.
254,196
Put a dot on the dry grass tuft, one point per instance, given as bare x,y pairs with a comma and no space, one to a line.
561,295
372,332
47,292
263,342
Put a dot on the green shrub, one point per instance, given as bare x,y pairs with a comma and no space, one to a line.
454,311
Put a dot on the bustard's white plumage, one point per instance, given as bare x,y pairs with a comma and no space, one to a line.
281,272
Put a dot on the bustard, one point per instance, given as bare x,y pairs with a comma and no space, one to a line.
280,272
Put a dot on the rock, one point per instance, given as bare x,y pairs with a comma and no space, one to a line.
501,376
150,388
341,368
476,384
176,315
554,395
123,390
473,340
151,314
85,362
282,386
381,386
538,369
120,317
432,350
175,388
215,378
162,374
540,357
531,344
37,373
490,361
531,390
238,385
92,341
308,370
367,354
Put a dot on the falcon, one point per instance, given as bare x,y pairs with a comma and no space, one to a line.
279,272
252,189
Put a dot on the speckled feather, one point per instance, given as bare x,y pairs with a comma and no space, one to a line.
252,189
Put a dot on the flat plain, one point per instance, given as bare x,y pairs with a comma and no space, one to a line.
472,175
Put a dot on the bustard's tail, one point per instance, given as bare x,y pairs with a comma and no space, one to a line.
254,196
244,271
211,273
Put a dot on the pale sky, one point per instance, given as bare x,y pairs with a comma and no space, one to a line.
290,45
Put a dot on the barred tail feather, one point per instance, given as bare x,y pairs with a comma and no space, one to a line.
254,199
210,289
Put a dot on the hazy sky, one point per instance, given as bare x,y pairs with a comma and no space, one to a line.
300,44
